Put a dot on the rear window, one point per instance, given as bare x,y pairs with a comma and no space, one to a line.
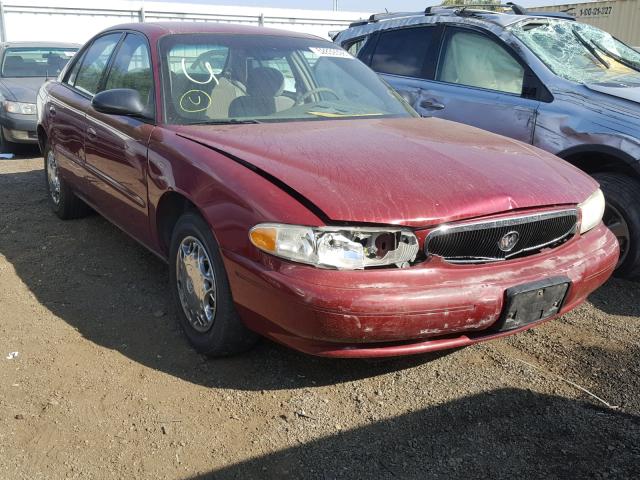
403,52
35,61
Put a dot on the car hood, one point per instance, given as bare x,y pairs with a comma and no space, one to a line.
627,93
24,89
414,172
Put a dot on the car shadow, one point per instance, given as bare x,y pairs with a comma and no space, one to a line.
115,293
618,297
19,152
507,433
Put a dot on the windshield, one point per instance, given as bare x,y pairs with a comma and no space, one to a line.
213,78
579,52
35,61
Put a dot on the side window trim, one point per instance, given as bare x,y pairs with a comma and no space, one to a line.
112,57
114,54
77,60
82,58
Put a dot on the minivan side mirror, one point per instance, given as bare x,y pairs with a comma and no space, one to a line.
119,101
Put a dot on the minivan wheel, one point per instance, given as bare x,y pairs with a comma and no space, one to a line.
201,291
622,217
63,201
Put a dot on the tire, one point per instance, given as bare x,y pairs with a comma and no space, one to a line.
5,145
223,333
64,203
622,215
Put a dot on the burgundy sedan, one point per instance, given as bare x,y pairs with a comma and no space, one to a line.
296,196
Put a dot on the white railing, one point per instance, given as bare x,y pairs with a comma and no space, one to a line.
77,20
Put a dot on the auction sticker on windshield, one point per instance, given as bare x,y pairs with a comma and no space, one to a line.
331,52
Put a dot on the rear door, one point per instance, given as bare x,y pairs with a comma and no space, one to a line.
68,103
480,82
404,57
116,145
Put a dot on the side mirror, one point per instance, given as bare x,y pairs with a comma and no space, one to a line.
119,101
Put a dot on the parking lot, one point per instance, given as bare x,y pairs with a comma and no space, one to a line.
103,384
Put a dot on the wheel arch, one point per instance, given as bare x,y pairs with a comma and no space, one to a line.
171,206
43,138
601,158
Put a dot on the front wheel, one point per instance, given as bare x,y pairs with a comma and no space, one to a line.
201,291
622,216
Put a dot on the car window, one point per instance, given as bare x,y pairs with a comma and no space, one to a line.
131,68
35,61
355,47
73,72
94,63
283,66
579,52
269,79
403,52
473,59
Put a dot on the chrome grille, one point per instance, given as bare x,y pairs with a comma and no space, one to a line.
490,241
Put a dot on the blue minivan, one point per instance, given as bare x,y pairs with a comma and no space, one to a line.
544,79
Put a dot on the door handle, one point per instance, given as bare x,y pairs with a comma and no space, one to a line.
91,132
52,110
431,105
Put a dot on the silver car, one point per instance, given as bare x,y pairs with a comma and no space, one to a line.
563,86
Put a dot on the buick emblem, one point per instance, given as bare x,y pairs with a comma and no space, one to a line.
509,241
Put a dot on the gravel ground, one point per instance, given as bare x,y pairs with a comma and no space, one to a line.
105,386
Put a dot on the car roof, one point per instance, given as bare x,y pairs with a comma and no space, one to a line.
456,14
158,29
39,44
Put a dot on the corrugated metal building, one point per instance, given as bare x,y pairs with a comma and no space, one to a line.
78,20
621,18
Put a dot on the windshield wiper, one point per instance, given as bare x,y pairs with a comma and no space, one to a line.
589,47
230,121
627,63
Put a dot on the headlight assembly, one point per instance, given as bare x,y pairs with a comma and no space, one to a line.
20,107
345,248
592,210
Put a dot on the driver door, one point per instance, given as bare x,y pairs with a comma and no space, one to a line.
116,145
480,83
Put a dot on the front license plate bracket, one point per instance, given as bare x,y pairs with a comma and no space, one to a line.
532,302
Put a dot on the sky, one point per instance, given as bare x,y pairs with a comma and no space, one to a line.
357,5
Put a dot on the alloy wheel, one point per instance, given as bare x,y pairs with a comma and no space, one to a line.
196,284
53,177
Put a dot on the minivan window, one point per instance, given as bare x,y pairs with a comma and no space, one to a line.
475,60
403,51
131,68
355,47
580,53
94,62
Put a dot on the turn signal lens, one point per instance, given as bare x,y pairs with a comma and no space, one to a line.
264,238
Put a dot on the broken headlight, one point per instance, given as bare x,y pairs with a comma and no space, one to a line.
344,248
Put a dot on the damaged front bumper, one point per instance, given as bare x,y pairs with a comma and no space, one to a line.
390,312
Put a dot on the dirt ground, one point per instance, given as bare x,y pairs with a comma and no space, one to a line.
105,386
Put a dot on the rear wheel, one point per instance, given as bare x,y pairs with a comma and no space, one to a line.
63,201
622,216
201,291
